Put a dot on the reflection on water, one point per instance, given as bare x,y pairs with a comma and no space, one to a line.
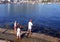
42,15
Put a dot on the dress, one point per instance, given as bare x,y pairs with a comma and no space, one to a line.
18,32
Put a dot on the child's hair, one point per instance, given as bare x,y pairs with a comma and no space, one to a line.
20,26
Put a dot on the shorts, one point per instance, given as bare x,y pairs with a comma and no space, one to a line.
14,26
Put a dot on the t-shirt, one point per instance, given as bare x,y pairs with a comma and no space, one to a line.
30,25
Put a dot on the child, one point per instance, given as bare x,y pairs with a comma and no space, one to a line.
18,32
15,25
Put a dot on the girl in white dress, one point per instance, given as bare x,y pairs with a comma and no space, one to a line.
18,32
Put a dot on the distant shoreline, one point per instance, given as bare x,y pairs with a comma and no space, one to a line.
29,2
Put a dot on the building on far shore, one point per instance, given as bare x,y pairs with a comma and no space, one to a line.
2,0
5,1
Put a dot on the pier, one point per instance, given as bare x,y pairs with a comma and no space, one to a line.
9,36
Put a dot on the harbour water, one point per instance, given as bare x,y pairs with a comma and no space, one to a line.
43,15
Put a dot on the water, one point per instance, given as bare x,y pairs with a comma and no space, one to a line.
46,15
